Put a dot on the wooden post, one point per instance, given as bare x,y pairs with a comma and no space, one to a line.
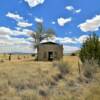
79,69
10,57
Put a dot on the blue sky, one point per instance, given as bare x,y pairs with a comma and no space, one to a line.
72,21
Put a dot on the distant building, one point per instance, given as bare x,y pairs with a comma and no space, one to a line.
49,51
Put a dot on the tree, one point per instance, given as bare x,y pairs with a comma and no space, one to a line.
90,49
41,34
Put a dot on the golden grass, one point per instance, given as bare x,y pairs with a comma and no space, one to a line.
30,80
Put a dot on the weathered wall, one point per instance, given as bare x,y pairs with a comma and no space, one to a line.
43,50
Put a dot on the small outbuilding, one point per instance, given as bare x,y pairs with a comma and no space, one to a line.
49,51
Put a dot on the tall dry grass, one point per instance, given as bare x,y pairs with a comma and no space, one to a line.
30,80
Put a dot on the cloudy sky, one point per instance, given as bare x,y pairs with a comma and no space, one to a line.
72,20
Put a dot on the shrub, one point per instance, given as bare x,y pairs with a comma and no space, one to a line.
89,68
43,92
63,67
1,60
73,54
90,49
33,55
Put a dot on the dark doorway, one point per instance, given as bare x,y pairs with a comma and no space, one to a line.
50,56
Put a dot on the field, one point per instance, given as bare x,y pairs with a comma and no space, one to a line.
22,78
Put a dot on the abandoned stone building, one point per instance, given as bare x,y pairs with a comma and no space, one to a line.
49,51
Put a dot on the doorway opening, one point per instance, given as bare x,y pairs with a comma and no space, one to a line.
50,56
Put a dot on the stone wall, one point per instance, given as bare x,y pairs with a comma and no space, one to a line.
44,49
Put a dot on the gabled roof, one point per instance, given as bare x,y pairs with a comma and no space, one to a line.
50,43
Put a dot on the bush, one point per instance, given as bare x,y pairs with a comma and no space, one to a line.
33,55
62,66
90,49
89,68
1,60
73,54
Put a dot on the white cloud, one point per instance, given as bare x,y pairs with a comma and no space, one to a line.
14,16
67,40
24,24
72,9
82,38
91,24
62,21
33,3
5,31
78,11
9,41
15,33
27,31
39,20
18,28
70,49
20,20
53,22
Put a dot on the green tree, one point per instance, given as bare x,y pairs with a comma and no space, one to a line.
90,49
41,34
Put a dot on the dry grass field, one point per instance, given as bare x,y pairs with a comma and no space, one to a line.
26,79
